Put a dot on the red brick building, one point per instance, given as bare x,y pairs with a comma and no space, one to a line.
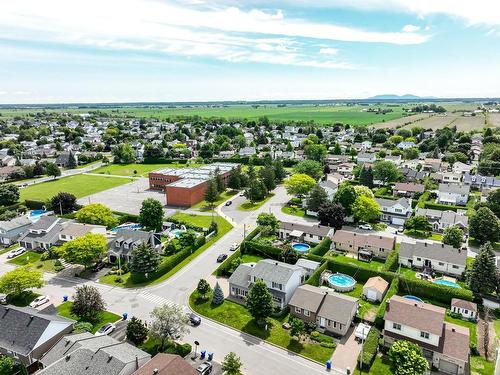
185,187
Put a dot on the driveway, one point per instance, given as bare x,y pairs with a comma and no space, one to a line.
347,352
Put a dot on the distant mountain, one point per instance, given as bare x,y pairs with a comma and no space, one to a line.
400,97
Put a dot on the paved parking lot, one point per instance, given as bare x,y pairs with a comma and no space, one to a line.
126,198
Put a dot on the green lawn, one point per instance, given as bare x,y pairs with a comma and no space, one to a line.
250,258
466,324
497,328
295,211
79,185
237,316
32,259
7,249
364,306
64,309
202,221
374,264
480,366
249,206
380,366
420,234
141,169
205,206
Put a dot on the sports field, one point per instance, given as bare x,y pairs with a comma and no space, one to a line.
140,169
80,185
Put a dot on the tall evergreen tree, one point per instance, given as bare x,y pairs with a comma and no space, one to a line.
145,259
217,295
71,160
279,170
212,193
268,177
366,177
317,197
482,274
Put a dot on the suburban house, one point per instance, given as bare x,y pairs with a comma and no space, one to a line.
167,364
407,189
26,333
481,182
72,230
366,157
332,312
431,165
309,266
395,159
84,353
412,175
445,345
247,151
375,288
282,279
345,169
303,233
449,178
395,211
43,234
371,244
11,230
63,159
466,309
441,220
453,194
433,256
126,240
462,168
405,145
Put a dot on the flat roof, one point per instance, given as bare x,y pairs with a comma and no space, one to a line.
186,182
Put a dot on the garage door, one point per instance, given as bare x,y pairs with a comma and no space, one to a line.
448,367
371,295
398,221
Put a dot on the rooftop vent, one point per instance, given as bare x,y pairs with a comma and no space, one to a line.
156,371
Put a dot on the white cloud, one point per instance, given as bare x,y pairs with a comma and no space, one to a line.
410,28
328,51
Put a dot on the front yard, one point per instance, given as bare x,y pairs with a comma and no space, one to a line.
423,235
33,259
237,316
64,310
293,210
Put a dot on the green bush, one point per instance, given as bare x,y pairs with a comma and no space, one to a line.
314,279
322,248
223,269
361,274
249,237
432,291
35,205
442,207
254,247
393,289
370,346
391,263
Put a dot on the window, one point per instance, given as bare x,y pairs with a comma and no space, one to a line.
441,263
277,286
396,326
466,311
419,259
307,312
455,266
298,310
424,335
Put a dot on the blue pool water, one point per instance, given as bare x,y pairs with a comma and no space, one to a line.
177,232
339,279
302,247
127,226
34,213
413,298
446,283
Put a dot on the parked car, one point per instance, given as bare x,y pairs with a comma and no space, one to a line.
16,252
205,368
39,301
194,319
221,258
3,299
105,329
234,246
228,203
365,227
241,194
98,266
400,230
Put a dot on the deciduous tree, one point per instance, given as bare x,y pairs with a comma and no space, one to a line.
87,303
169,322
20,279
151,215
123,153
268,220
83,250
9,194
345,196
259,301
311,168
418,222
331,214
52,170
97,214
231,365
407,359
366,209
453,236
299,184
385,171
203,288
484,226
63,203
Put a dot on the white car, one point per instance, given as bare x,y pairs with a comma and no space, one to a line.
365,227
105,329
234,246
242,194
39,301
16,252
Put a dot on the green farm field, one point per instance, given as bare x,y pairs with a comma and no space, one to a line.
79,185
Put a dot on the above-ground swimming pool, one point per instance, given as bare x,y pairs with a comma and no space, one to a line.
127,226
301,247
413,298
446,283
341,282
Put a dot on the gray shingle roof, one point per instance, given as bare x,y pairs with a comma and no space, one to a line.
14,223
271,270
318,230
389,202
454,189
433,250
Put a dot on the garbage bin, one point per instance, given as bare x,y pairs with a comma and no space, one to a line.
125,316
65,298
328,365
210,356
202,354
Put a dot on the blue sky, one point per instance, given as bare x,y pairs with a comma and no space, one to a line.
184,50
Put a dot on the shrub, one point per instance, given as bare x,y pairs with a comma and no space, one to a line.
315,276
432,291
254,247
45,256
370,346
393,289
391,263
80,327
360,273
322,248
35,205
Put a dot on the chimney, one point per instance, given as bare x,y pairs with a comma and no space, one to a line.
156,371
68,357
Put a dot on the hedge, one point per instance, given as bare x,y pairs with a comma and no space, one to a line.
34,205
393,289
391,263
13,207
222,270
315,276
124,217
315,258
265,250
164,161
369,352
442,207
322,248
432,291
360,273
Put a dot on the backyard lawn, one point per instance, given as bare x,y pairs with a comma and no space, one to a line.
32,259
105,317
205,206
80,185
374,264
367,310
480,366
237,316
249,206
141,169
250,258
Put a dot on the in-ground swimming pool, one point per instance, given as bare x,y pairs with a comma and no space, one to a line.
446,283
301,247
341,282
413,298
127,226
177,232
35,215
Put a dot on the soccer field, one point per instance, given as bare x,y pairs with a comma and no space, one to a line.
80,185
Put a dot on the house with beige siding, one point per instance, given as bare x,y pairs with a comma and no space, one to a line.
353,242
